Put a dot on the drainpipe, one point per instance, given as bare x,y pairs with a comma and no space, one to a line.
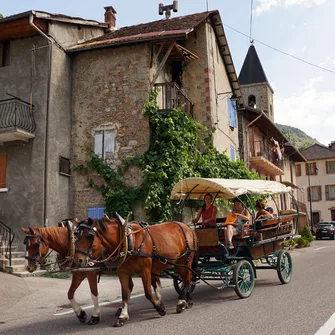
45,181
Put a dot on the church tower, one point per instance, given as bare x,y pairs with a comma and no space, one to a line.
256,90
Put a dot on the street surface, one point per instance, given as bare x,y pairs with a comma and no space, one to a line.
304,306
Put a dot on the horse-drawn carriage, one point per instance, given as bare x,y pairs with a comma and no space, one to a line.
260,244
195,254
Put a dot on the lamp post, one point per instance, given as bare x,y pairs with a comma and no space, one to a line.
310,195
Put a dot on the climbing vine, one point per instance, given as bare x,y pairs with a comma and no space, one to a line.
179,148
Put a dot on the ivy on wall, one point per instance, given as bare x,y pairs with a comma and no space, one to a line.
178,149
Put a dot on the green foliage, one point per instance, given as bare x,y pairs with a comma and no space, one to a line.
297,137
178,149
55,275
291,243
307,234
1,16
301,242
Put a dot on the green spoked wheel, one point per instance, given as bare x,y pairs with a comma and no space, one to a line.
284,266
244,278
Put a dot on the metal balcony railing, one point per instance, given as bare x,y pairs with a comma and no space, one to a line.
6,241
265,149
16,114
171,96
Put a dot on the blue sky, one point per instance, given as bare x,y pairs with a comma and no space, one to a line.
304,95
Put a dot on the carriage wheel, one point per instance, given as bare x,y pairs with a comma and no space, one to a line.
244,278
284,266
179,285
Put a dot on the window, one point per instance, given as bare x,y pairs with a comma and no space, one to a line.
332,214
3,168
104,143
96,212
312,167
64,166
232,153
330,167
316,193
252,101
4,54
232,113
298,170
330,192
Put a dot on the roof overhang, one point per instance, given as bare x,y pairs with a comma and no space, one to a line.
261,121
226,55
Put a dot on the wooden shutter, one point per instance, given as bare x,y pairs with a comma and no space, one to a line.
3,167
308,194
298,170
327,192
319,193
306,166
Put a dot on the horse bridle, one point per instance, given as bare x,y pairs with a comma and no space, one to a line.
91,235
38,243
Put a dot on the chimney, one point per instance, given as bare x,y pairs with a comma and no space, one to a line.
110,17
332,145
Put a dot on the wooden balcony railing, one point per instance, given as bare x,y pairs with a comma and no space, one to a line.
171,96
265,149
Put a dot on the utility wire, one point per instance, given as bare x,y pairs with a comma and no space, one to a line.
283,52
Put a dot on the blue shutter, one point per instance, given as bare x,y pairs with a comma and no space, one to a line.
96,212
232,153
232,113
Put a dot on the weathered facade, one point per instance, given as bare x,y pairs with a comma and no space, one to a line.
81,84
35,123
316,178
112,78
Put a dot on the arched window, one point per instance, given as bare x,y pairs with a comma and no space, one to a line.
252,101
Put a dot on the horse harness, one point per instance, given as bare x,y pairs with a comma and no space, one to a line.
40,240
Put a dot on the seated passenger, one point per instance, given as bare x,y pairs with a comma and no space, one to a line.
270,210
207,212
241,216
262,213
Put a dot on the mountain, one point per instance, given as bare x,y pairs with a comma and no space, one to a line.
297,137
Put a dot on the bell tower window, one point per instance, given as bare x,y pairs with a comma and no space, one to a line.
252,101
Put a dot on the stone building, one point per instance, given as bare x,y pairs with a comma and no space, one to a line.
317,178
68,84
35,115
263,146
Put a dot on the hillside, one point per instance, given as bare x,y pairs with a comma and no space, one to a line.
297,137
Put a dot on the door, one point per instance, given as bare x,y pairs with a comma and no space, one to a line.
332,214
316,218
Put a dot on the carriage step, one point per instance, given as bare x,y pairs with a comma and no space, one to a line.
36,273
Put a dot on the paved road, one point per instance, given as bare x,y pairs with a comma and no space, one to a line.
40,306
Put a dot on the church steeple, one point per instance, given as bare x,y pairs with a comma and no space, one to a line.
255,87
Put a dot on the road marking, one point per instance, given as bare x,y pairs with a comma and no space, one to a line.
102,304
320,248
328,327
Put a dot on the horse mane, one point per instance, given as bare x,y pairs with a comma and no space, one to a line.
54,233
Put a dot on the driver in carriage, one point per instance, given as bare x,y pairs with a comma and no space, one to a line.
207,212
234,222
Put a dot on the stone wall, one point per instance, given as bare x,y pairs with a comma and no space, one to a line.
110,88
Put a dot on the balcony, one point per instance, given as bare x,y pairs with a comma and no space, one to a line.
16,121
171,96
262,158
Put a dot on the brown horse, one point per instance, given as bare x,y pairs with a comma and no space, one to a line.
39,241
155,249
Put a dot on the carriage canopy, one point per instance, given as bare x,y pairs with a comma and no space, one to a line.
195,188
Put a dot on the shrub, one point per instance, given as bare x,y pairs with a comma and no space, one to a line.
291,243
307,234
301,242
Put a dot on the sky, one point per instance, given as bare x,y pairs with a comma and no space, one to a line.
304,95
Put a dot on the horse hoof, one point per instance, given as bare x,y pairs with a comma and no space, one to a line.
94,320
118,312
82,316
119,323
162,312
181,307
189,304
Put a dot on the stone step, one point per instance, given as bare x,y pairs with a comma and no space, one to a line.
4,247
36,273
18,254
18,261
15,268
